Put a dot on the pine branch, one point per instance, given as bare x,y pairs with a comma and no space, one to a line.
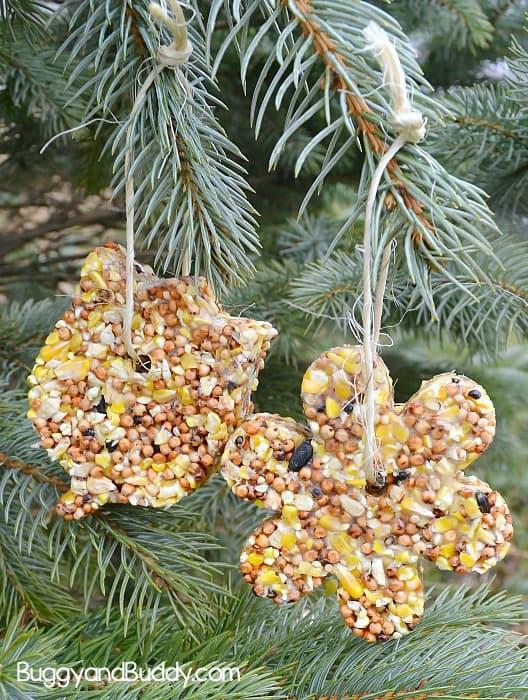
32,471
482,315
321,67
191,197
31,15
460,24
460,648
34,81
488,141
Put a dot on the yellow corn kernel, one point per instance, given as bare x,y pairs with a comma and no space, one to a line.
288,540
403,556
343,389
467,560
117,407
379,547
348,361
349,582
331,523
358,483
40,371
97,279
255,559
471,508
75,369
342,543
136,321
75,342
333,409
404,611
103,460
164,395
448,550
401,432
383,432
308,569
268,577
289,515
31,413
185,396
314,381
113,418
445,523
92,262
94,318
53,338
442,392
405,573
372,596
443,564
57,351
189,361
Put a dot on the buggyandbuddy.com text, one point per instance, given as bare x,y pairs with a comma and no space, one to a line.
125,672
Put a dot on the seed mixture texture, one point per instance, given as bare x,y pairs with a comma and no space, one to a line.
330,521
145,431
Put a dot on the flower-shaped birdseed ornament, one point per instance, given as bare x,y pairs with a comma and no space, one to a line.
145,431
329,521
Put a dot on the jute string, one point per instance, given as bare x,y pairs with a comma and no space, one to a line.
410,125
173,55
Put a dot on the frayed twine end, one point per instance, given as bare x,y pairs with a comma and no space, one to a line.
409,122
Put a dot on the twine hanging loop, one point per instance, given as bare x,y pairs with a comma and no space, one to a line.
172,55
410,126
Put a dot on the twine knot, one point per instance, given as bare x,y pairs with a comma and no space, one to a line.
408,122
172,57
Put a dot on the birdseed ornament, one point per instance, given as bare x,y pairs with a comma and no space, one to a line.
143,431
330,520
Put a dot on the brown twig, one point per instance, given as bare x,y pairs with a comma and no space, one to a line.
324,46
30,470
10,242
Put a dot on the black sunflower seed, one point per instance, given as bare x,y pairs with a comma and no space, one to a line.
402,475
482,502
101,406
143,364
302,454
89,432
474,393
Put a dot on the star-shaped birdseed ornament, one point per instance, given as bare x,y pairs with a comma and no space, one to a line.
144,431
330,521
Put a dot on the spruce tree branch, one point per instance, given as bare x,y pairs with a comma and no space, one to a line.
328,52
192,200
483,123
33,471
